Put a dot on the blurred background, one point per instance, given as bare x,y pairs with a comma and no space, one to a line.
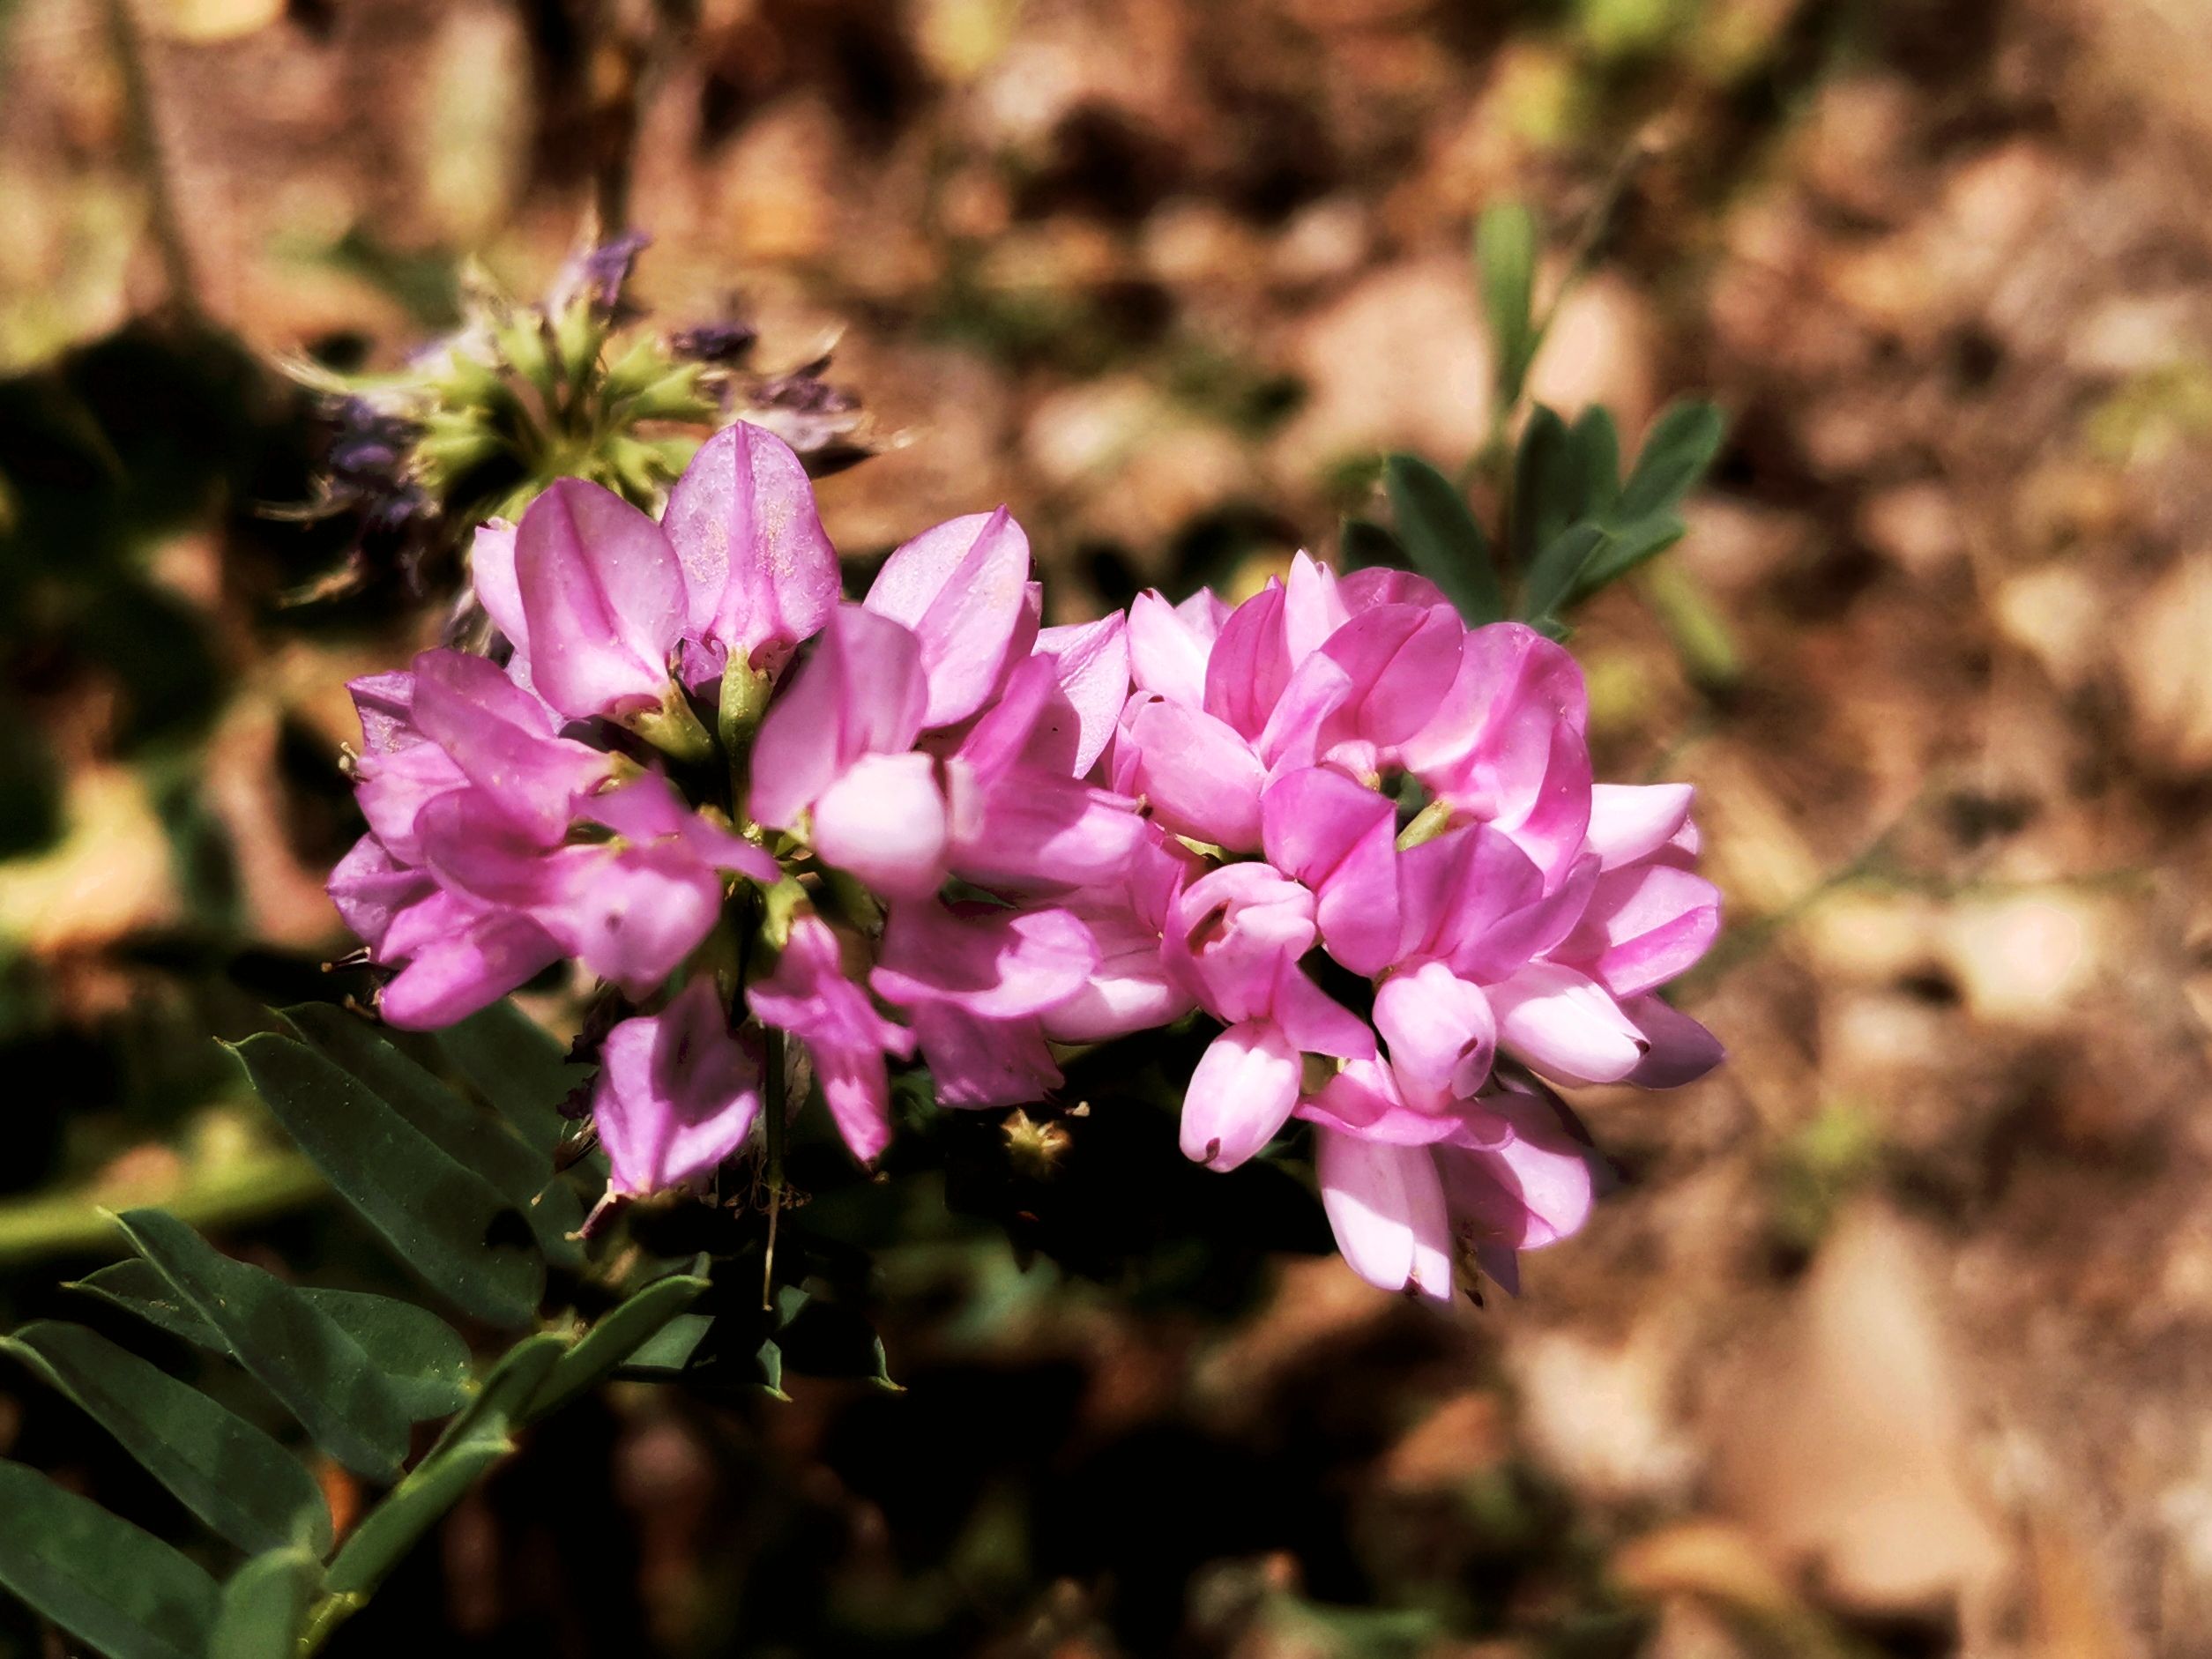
1896,1337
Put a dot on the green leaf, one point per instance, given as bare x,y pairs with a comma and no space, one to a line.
1362,543
121,1590
1676,453
1446,544
293,1349
443,1221
519,1067
1505,257
617,1336
1626,548
425,1359
1554,572
472,1443
668,1349
224,1469
1595,443
264,1606
1547,486
772,1368
472,1139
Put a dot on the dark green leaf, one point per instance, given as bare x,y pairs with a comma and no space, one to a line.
425,1357
221,1468
1595,442
518,1066
289,1345
1680,445
121,1590
1627,547
1363,543
616,1336
1547,486
772,1368
1446,544
443,1220
472,1443
668,1349
265,1605
1504,256
1553,573
466,1135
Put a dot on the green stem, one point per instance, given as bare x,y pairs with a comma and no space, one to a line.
773,1110
242,1190
166,224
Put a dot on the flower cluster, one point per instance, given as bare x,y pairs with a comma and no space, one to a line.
1359,835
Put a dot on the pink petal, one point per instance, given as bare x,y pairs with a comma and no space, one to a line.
650,810
677,1093
1386,1207
1566,1026
501,739
1364,1100
1229,934
1338,837
1167,654
975,1062
1314,1021
759,572
809,996
998,964
1039,831
1437,1028
863,692
1128,990
1629,821
369,887
1643,926
962,587
467,969
386,705
1531,1189
632,917
602,599
1202,779
1401,660
1092,661
1249,667
491,569
884,822
1240,1095
1379,585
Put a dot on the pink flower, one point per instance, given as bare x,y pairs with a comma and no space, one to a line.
677,1093
811,996
963,590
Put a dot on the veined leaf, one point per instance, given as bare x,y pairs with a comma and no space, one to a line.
123,1591
425,1359
284,1342
668,1349
615,1338
224,1469
1505,258
472,1443
1627,547
444,1222
1547,486
264,1606
474,1140
1680,445
1445,543
518,1066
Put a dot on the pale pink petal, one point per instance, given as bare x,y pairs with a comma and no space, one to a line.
884,822
1092,660
998,964
464,969
1566,1026
1533,1189
1386,1207
962,589
1376,584
491,568
1201,778
602,600
1167,655
976,1062
1364,1100
1239,1096
1314,1021
760,575
1248,667
1643,926
861,692
677,1093
1629,821
1437,1028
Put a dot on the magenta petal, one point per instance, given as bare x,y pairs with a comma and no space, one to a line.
466,969
1386,1207
1310,702
884,822
1438,1027
491,569
1128,990
998,964
1364,1100
1202,779
1629,821
1463,890
1247,668
631,917
1566,1026
1314,1021
1230,935
976,1062
677,1093
1167,652
1531,1189
1092,664
759,572
370,888
602,598
394,787
1311,609
1379,585
1338,837
962,589
501,739
1682,1051
809,996
386,705
1643,926
863,692
1240,1095
648,809
1039,831
1401,659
